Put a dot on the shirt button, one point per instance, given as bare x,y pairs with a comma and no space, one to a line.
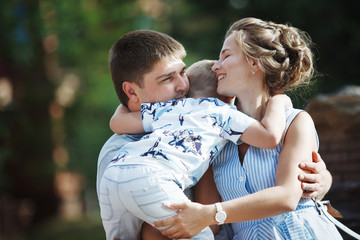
240,179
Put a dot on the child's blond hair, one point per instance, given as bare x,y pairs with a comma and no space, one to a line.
203,81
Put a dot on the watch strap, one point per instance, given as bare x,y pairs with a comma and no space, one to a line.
220,215
218,207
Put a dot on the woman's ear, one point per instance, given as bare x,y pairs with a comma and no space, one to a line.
129,90
254,65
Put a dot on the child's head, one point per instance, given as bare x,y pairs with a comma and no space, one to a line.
203,81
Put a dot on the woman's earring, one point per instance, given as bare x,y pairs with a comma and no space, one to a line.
252,73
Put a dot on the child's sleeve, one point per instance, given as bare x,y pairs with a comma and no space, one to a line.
148,112
234,125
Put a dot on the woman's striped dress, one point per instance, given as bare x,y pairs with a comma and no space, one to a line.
257,172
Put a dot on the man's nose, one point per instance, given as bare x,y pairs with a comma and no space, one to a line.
182,83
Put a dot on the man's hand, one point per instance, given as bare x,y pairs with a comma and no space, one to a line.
191,219
318,182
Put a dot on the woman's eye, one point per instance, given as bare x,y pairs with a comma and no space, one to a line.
224,57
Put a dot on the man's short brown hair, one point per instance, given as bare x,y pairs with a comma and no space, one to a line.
135,54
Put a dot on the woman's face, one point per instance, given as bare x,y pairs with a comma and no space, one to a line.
232,69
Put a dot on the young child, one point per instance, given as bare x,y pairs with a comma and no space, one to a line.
185,135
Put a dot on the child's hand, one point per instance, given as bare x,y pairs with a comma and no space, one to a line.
122,109
283,99
126,122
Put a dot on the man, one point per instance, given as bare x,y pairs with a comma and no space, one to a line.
147,66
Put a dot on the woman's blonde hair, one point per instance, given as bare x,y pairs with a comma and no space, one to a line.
282,52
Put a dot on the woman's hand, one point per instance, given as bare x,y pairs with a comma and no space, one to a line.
318,182
191,219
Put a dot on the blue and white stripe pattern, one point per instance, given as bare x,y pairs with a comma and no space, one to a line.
234,180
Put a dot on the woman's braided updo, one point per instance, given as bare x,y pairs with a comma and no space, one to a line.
283,52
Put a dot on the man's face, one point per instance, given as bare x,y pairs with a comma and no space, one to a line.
165,82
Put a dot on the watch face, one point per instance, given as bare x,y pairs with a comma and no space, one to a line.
220,216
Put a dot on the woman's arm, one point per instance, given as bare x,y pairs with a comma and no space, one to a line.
125,122
269,131
300,141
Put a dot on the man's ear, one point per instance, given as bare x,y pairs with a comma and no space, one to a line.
130,91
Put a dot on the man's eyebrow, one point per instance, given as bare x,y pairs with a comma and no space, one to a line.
166,75
170,73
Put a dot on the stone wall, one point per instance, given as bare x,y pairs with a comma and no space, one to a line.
337,120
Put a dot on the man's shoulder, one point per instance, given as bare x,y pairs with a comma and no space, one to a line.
112,146
108,151
115,142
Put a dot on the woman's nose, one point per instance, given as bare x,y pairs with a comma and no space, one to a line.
215,67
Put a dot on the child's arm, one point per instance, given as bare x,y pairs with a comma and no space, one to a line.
125,122
269,131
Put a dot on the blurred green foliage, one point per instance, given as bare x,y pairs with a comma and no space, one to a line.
60,230
85,31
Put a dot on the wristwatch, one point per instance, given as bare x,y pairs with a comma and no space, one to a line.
220,215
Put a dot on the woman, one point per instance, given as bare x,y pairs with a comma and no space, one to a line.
262,196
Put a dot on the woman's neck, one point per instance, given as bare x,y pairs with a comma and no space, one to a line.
253,103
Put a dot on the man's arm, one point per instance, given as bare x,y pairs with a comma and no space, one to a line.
316,180
269,132
125,122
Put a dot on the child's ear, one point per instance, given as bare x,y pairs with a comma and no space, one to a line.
130,91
